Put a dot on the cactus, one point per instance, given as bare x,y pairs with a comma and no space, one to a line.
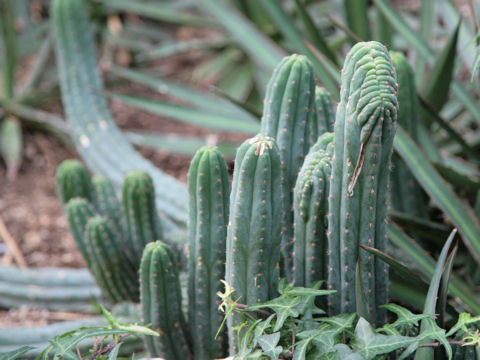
139,208
254,231
310,204
73,180
288,117
324,113
364,131
108,262
406,194
161,303
107,203
208,185
79,211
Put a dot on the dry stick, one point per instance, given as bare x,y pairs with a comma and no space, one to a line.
12,244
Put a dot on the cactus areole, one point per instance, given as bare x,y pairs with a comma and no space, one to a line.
364,130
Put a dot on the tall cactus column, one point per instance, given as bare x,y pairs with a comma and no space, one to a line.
364,131
208,186
254,232
289,117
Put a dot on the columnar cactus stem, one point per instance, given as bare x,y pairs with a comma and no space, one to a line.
107,202
324,111
208,185
310,206
406,193
254,231
288,117
161,303
364,131
73,180
108,262
79,211
140,213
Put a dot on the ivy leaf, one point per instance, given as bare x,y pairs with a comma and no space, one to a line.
284,308
463,320
341,323
369,344
404,316
269,343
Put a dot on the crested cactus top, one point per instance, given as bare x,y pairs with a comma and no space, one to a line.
369,87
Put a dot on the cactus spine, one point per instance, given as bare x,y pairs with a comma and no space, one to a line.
310,204
324,113
364,131
140,213
254,231
108,261
208,185
73,180
161,303
288,117
406,194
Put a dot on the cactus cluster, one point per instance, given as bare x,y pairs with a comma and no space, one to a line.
110,237
306,192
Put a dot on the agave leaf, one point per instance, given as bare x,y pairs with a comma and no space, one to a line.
356,12
424,51
427,24
9,52
362,305
438,83
11,145
460,213
260,48
459,179
443,291
426,265
16,354
430,304
288,29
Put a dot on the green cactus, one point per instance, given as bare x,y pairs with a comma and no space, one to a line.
406,194
73,180
107,203
254,231
79,211
288,117
364,131
108,262
161,303
310,207
324,112
208,186
139,208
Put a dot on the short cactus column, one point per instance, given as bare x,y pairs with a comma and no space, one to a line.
254,231
208,187
72,181
324,111
310,207
364,131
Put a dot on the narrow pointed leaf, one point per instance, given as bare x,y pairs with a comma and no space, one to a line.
460,213
362,305
356,12
11,145
443,291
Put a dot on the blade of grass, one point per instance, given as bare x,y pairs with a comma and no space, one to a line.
287,28
426,52
460,213
190,115
260,48
426,265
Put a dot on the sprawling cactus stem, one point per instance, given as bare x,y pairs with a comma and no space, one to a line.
406,193
161,303
288,116
139,209
79,211
208,186
310,206
254,231
364,131
73,180
108,262
324,112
